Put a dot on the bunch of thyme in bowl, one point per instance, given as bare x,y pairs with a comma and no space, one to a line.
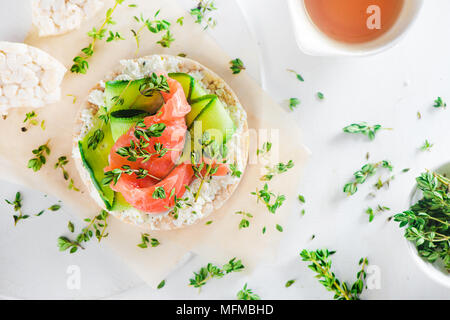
427,221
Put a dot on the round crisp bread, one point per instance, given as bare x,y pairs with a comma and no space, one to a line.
213,83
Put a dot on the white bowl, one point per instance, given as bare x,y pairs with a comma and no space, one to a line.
314,42
435,271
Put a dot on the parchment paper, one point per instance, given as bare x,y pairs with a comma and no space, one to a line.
218,241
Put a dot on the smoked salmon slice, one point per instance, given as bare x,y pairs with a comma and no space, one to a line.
158,155
159,165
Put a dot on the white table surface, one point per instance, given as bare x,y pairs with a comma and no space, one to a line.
388,89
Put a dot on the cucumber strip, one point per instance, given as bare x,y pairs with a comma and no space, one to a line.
130,96
123,120
96,173
186,81
197,107
214,117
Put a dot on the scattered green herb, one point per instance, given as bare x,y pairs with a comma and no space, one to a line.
213,153
244,222
297,75
97,227
74,98
71,226
30,118
166,40
266,147
17,204
211,271
289,283
247,294
155,26
293,103
380,183
371,212
320,95
277,169
95,139
237,66
80,62
159,193
365,129
321,264
362,175
301,198
114,36
439,103
179,203
39,160
146,240
426,146
161,284
201,12
279,228
234,171
265,196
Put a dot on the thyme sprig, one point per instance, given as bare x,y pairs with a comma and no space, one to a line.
427,145
365,129
39,160
155,26
81,64
379,208
277,169
439,103
265,195
237,66
61,163
166,39
427,222
146,241
244,222
201,12
17,204
234,170
139,149
153,84
297,75
247,294
95,139
321,264
293,103
115,174
266,147
212,271
204,162
361,176
97,227
31,120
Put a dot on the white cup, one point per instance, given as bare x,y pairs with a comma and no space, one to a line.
314,42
